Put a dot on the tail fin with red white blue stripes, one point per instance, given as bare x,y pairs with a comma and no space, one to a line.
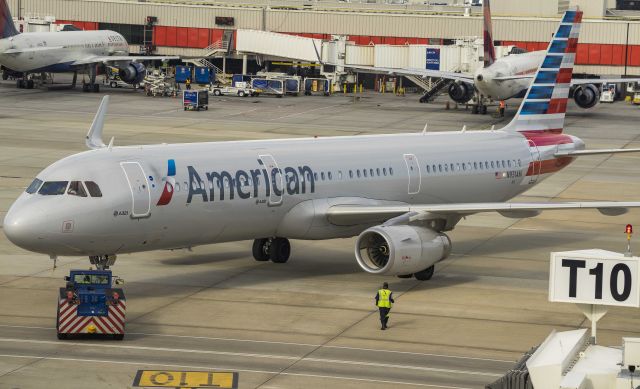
545,104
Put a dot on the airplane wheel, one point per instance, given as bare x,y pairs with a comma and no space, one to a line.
95,88
30,84
280,250
85,87
260,251
483,110
475,110
5,76
20,84
426,274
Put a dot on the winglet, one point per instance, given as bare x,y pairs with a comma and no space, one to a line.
94,136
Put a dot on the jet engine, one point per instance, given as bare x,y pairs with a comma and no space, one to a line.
586,96
133,73
461,92
400,249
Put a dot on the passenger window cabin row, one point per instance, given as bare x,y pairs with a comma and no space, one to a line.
451,167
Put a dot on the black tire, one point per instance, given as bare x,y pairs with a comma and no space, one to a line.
216,92
113,84
5,76
30,84
95,88
280,250
405,275
475,110
20,84
185,108
118,336
426,274
241,93
85,87
206,107
483,110
259,253
279,96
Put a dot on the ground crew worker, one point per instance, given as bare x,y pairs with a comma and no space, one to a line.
503,106
187,84
384,299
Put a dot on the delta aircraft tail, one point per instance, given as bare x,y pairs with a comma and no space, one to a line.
545,104
489,49
7,28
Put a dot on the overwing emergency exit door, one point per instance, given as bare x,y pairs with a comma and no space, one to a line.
140,193
413,170
275,185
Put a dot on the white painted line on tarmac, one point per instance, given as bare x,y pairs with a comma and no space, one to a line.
307,111
247,355
229,369
294,344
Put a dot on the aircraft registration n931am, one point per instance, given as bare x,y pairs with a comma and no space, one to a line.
398,193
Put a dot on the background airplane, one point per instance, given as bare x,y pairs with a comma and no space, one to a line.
67,51
501,78
398,193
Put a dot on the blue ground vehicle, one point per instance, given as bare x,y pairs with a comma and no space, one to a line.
89,304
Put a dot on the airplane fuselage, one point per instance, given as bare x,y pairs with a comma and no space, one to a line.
183,195
58,51
512,65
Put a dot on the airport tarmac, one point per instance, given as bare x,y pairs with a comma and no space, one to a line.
310,322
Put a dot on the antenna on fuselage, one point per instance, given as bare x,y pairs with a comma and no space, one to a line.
93,140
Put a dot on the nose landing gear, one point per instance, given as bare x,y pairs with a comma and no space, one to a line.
277,250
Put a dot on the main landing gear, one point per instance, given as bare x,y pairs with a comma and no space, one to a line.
24,83
91,86
275,249
102,262
424,275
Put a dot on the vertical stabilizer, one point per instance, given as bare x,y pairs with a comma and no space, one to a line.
7,28
545,104
489,49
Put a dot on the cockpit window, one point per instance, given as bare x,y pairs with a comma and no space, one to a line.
93,188
76,189
53,188
35,185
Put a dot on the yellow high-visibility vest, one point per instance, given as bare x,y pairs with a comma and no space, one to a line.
383,298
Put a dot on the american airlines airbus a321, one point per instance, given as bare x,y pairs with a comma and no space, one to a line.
397,193
68,51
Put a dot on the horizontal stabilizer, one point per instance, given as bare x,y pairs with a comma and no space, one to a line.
580,153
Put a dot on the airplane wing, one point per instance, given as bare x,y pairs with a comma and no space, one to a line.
111,59
413,72
582,81
346,215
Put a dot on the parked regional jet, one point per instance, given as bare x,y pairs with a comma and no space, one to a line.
397,193
68,51
501,78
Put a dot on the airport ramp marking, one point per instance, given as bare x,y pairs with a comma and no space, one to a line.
251,355
185,379
238,370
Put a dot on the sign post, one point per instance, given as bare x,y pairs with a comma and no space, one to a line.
594,280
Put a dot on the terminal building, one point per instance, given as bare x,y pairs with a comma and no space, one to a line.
609,44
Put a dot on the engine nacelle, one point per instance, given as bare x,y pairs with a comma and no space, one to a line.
461,92
586,96
133,73
400,249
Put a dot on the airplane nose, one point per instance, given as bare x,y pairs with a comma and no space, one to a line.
23,226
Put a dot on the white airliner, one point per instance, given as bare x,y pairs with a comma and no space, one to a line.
501,78
399,193
67,51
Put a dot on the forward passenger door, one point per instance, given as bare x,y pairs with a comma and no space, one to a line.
413,170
